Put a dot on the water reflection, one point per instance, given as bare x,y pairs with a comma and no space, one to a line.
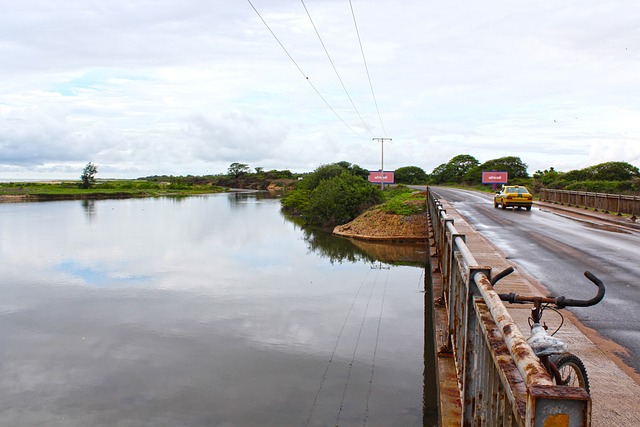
244,197
89,207
337,250
340,249
207,311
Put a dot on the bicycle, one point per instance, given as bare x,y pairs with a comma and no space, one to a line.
563,367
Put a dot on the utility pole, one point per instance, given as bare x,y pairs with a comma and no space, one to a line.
382,140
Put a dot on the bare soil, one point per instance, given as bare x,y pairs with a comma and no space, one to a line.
378,225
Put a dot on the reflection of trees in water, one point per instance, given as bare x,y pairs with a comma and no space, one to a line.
89,207
238,198
340,249
176,198
337,249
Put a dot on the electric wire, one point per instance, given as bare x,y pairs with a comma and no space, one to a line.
355,350
334,67
302,72
366,67
375,351
335,348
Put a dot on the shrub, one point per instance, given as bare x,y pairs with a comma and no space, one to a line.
405,203
340,199
334,194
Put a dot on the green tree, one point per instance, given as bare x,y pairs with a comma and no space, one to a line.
236,170
612,171
460,165
276,174
512,165
608,177
410,175
441,174
455,170
88,176
544,178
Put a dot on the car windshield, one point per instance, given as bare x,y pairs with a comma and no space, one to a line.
519,190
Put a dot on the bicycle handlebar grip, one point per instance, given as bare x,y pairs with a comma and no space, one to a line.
564,302
502,274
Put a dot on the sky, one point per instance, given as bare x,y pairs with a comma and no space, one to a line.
169,87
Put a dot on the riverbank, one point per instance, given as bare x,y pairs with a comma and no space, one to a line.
376,224
110,189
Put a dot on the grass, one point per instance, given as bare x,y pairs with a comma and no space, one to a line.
103,189
403,200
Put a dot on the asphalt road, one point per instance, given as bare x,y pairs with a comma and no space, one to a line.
556,250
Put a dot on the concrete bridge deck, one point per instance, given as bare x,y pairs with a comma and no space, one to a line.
615,389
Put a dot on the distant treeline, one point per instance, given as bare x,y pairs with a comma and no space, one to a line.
238,175
464,169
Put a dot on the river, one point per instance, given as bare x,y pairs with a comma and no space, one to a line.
203,311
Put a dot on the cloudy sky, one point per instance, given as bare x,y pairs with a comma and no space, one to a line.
188,87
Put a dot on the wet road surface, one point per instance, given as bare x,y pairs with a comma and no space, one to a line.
556,250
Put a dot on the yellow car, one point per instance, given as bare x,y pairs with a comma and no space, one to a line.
513,196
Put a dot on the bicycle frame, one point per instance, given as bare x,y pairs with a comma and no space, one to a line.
545,346
536,317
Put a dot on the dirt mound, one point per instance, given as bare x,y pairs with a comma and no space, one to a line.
378,225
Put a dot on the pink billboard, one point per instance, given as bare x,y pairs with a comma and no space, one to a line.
494,177
376,177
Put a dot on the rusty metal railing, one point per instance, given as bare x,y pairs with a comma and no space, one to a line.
613,203
500,379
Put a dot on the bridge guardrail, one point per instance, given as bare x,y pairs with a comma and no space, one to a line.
500,379
618,203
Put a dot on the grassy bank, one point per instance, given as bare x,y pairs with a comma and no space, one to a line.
108,189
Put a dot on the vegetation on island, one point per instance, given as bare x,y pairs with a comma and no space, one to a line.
332,194
339,192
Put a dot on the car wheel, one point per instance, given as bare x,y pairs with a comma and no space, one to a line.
496,204
528,208
504,206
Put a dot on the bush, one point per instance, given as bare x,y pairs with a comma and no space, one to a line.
334,194
340,199
404,201
296,202
612,187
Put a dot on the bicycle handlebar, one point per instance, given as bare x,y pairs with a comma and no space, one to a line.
500,275
560,302
564,302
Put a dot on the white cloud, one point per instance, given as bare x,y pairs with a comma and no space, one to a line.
155,87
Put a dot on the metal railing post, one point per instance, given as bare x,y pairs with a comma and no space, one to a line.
500,379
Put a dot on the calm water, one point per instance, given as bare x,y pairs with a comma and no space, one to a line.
202,311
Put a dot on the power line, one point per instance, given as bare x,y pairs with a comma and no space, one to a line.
355,350
366,67
335,349
302,72
375,350
334,67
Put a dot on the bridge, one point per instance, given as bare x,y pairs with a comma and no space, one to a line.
488,375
